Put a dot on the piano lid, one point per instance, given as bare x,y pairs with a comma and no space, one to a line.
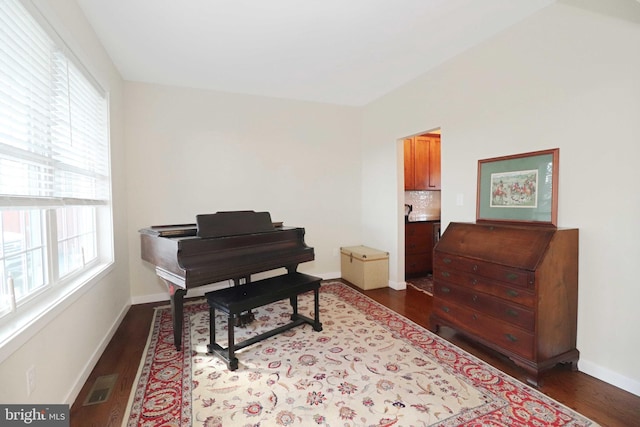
178,230
233,223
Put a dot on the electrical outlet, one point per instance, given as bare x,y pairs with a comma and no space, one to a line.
31,380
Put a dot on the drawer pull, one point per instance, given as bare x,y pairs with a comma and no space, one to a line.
446,260
511,337
475,267
446,309
474,317
474,281
512,293
445,274
475,298
512,276
445,289
511,312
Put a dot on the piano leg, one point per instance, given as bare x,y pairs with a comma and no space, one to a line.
177,296
293,301
243,319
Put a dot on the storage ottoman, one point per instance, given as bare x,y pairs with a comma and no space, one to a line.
365,267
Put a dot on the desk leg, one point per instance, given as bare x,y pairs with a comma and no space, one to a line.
177,296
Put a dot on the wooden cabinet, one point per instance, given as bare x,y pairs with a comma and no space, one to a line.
418,247
511,288
422,162
409,165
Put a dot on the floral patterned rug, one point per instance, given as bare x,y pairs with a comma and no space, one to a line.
368,367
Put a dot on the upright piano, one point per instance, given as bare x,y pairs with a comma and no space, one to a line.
220,246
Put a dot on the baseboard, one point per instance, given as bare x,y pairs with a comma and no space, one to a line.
330,276
398,286
195,292
91,363
609,376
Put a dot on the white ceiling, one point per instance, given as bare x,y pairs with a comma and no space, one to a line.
346,52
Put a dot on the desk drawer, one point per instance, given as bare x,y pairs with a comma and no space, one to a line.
512,276
492,287
495,307
504,335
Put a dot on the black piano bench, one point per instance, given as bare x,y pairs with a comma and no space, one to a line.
238,299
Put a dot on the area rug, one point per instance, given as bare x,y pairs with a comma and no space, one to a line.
423,284
369,366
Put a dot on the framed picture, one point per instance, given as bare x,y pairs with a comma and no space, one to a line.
521,188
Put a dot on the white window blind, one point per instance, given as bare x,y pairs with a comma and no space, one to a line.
53,121
55,216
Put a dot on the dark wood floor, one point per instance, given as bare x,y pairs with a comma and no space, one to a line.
597,400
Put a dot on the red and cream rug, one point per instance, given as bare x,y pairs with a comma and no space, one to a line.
368,367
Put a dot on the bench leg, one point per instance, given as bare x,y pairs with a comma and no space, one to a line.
232,363
212,329
317,326
294,305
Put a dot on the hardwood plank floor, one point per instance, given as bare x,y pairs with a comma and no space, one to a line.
603,403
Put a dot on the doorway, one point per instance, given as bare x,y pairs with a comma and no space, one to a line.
421,198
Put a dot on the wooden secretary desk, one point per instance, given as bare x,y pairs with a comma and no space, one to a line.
512,288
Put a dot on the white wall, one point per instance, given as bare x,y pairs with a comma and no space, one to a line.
193,152
566,78
64,347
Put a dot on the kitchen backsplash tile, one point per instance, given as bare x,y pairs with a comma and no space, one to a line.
426,204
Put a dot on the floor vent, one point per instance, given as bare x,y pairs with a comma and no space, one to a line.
101,389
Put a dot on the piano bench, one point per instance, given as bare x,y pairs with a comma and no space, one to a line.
238,299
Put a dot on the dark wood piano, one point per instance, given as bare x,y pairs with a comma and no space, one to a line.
221,246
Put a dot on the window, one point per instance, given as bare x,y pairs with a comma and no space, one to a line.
55,217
